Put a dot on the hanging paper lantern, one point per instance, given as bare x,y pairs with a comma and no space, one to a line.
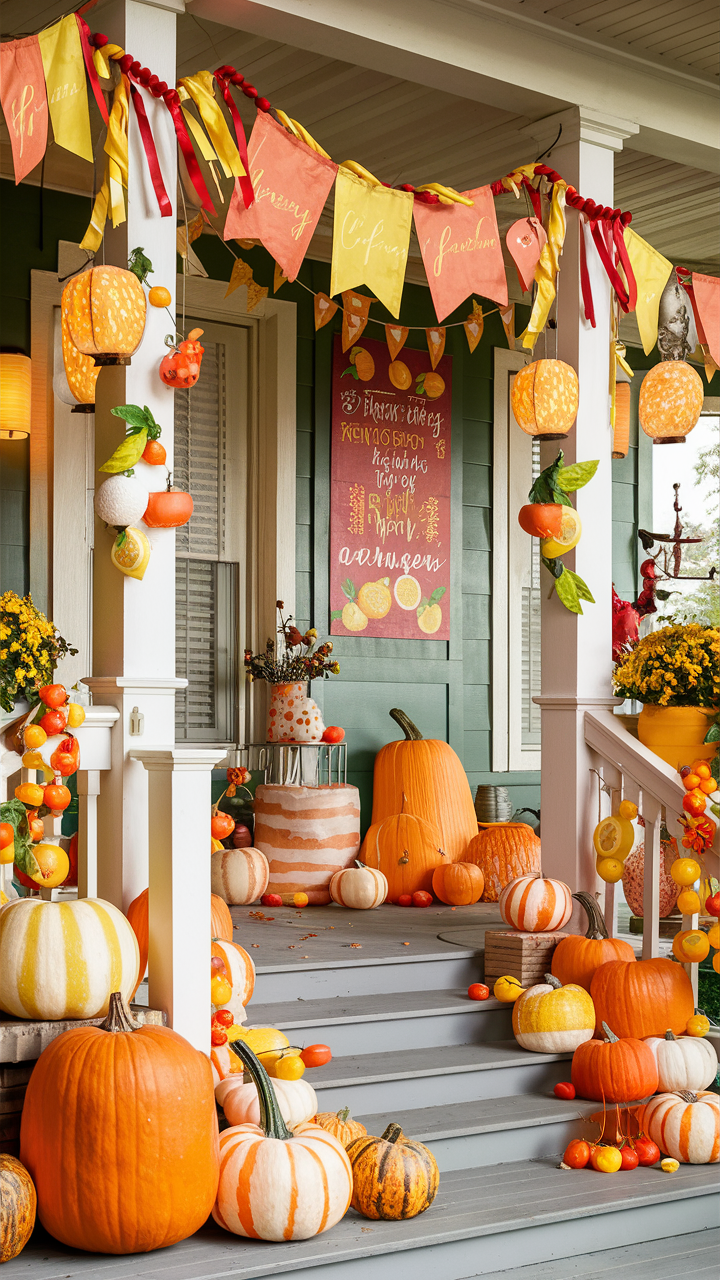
105,309
81,373
621,431
671,399
544,398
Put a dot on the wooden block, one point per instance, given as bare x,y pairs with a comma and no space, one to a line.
525,956
23,1040
11,1098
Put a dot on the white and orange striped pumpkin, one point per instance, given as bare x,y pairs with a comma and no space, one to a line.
239,876
277,1183
224,1063
241,1103
359,887
241,973
533,904
686,1126
307,834
64,959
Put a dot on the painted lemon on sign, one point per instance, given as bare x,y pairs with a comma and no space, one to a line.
374,598
569,535
408,593
351,615
399,375
429,613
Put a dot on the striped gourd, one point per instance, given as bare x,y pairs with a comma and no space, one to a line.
536,905
239,876
393,1176
239,967
306,834
307,1171
684,1125
64,959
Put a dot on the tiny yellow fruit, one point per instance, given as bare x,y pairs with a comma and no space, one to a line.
609,869
290,1066
53,865
34,736
7,854
374,598
626,809
430,619
685,871
215,845
688,902
300,899
234,1033
76,715
30,793
159,296
669,1166
131,552
353,618
614,837
698,1025
507,989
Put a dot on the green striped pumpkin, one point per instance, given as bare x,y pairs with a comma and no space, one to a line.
393,1176
63,959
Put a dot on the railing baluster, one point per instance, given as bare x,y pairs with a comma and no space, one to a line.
651,877
613,778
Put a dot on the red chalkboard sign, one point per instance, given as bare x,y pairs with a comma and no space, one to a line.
390,497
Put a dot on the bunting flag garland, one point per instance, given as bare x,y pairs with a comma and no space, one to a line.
200,88
24,102
396,337
64,68
508,322
462,252
706,290
371,238
652,272
356,308
474,326
525,240
279,278
241,274
325,309
436,344
291,184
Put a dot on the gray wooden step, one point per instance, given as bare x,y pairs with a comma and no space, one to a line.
481,1221
439,967
685,1256
464,1135
429,1077
390,1020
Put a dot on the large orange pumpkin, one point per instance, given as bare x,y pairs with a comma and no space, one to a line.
642,997
504,851
458,883
614,1069
407,850
19,1204
137,914
576,959
119,1133
428,774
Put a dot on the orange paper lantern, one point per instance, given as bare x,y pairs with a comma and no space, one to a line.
81,371
105,310
621,431
545,397
671,398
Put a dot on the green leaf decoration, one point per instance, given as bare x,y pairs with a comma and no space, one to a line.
574,477
140,265
581,587
437,594
134,415
554,566
713,733
348,589
423,605
14,812
351,369
127,453
567,592
335,614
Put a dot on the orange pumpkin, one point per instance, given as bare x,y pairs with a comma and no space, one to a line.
614,1069
534,904
221,925
341,1125
19,1204
137,914
406,849
576,959
503,851
426,777
642,997
133,1108
458,883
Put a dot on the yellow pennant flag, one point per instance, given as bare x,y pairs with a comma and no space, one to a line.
652,272
371,237
110,200
64,67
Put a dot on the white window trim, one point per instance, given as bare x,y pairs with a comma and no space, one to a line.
512,465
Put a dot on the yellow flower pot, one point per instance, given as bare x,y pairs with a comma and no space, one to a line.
676,733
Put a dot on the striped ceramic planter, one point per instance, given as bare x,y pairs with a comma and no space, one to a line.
306,834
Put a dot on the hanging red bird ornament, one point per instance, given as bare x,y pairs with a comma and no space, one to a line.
180,368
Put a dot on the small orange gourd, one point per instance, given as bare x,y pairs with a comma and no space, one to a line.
458,883
341,1125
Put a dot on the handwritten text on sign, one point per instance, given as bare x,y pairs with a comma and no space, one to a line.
390,497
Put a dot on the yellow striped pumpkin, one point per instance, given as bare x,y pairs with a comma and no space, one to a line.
64,959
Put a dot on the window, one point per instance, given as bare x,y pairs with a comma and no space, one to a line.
210,452
515,585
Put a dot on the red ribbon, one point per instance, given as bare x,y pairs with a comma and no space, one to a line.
244,183
613,276
150,153
619,239
84,32
585,285
186,147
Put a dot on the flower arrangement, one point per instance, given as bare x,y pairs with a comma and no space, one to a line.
675,667
30,649
296,657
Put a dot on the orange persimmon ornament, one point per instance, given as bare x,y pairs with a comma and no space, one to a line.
168,508
545,397
180,368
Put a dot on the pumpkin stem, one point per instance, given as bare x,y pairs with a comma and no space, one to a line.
613,1039
552,981
119,1017
595,918
343,1114
393,1133
669,1035
686,1095
271,1120
360,864
411,731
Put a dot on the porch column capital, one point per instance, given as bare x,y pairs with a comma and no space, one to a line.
582,124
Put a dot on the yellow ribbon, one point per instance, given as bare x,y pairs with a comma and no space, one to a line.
617,357
200,89
110,198
296,129
548,265
205,147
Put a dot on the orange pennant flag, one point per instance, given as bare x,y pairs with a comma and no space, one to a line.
325,309
474,326
241,274
396,337
355,316
24,102
436,344
508,319
279,278
255,293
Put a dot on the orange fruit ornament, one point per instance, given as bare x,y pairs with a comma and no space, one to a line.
53,864
181,366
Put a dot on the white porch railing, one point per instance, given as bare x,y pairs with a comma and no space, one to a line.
633,772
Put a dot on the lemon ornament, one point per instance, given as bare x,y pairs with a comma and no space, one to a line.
131,552
614,836
568,537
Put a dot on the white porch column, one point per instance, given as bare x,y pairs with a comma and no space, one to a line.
133,621
179,900
576,650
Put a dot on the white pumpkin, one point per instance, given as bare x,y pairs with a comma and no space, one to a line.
64,959
359,887
683,1062
296,1098
686,1126
239,876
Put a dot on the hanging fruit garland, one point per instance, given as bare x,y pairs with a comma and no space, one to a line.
180,368
551,517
